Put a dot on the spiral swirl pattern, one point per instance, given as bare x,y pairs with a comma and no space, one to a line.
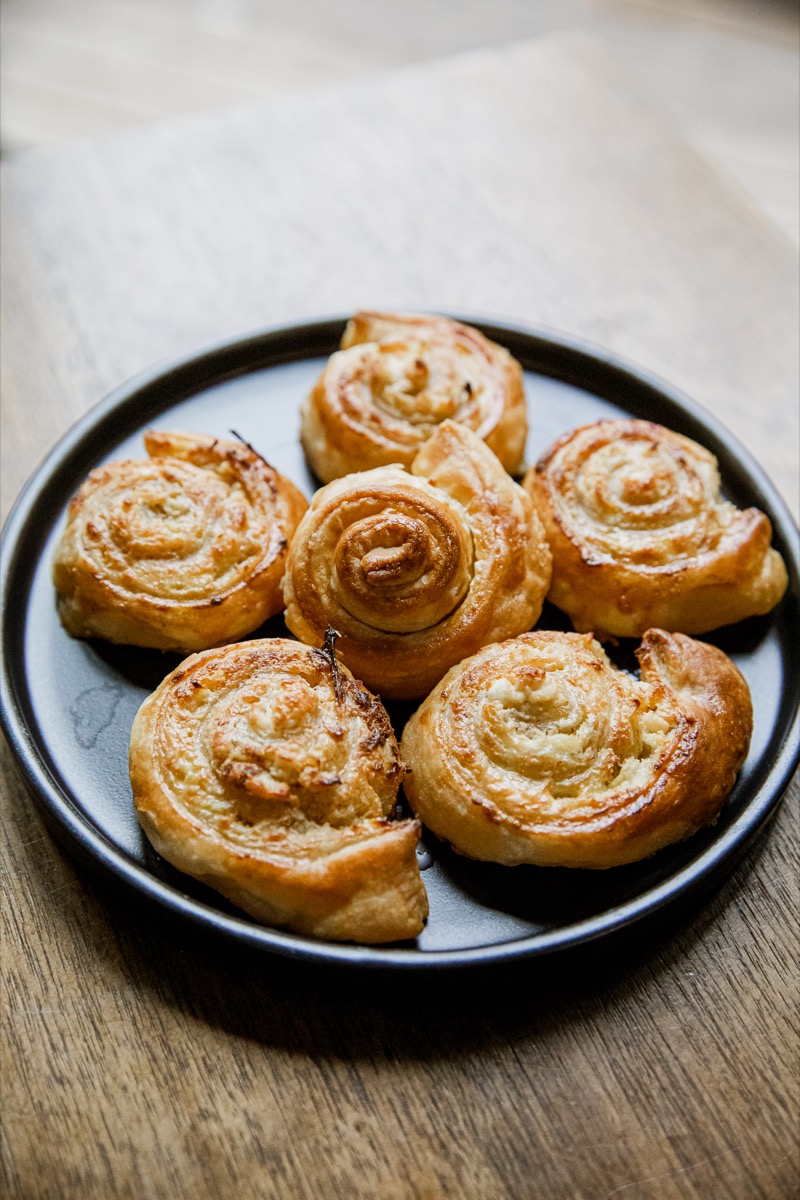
538,750
418,570
396,379
258,770
180,551
641,536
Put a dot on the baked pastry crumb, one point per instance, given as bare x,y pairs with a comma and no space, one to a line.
266,771
538,750
180,551
392,383
417,569
641,536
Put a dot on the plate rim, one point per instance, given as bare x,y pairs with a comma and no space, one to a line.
77,832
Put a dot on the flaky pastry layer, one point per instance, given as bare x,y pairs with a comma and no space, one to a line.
641,536
538,750
416,570
181,551
265,771
395,379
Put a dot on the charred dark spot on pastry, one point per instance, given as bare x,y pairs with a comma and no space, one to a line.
269,479
186,691
468,388
215,600
329,652
374,738
244,441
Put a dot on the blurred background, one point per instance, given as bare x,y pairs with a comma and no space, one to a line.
728,69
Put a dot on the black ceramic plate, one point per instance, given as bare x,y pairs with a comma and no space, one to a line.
69,705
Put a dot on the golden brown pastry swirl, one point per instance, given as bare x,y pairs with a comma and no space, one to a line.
416,570
267,772
538,750
641,536
180,551
396,378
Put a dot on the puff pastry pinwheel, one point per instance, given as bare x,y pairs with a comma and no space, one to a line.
641,536
538,750
395,379
265,771
181,551
418,569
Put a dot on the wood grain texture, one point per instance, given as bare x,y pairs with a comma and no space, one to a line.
523,184
142,1060
84,68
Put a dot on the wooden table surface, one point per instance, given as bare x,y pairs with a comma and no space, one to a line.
535,184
